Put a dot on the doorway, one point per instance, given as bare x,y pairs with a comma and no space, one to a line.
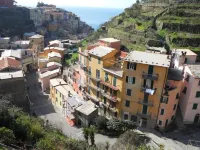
196,119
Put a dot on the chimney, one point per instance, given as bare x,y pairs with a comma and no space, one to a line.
185,53
60,83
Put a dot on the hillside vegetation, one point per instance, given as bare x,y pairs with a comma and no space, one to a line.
157,24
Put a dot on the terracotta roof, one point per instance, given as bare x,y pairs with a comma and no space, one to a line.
123,54
9,63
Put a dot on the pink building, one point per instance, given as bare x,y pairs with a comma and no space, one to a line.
46,74
185,60
170,98
190,95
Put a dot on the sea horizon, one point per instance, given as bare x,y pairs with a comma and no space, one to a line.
94,16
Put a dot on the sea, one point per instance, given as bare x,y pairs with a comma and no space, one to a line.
94,16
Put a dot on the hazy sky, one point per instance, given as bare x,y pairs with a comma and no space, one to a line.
83,3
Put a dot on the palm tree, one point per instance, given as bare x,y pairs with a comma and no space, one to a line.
92,132
86,134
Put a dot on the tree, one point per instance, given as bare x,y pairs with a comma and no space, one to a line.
6,135
92,132
86,134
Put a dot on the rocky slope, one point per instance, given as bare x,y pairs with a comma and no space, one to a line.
161,23
16,21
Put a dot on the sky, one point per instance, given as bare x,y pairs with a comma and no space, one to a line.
81,3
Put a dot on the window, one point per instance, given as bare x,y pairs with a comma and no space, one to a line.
127,103
199,83
60,95
60,103
174,107
198,94
130,80
162,112
172,117
125,116
187,78
185,60
106,77
165,100
114,81
104,100
56,91
89,57
98,84
177,96
128,92
99,60
150,70
194,106
56,99
132,66
160,122
185,90
89,71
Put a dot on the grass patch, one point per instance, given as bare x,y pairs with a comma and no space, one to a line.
70,59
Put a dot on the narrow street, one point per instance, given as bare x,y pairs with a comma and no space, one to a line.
43,108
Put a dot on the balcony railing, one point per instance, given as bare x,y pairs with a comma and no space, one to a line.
106,83
112,98
150,76
148,103
141,114
93,78
95,100
148,90
94,87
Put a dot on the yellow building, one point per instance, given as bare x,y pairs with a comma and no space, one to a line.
50,54
105,80
59,92
144,79
36,45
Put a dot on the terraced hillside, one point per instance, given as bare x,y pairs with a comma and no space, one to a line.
154,24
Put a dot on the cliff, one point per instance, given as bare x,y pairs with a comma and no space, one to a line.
163,23
15,21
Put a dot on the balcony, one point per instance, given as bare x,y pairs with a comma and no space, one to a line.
93,78
93,99
109,85
112,98
142,115
94,87
148,90
149,103
82,65
150,76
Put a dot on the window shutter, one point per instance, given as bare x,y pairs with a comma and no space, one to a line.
133,80
135,66
128,65
126,79
152,84
144,83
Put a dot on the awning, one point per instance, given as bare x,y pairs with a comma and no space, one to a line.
109,85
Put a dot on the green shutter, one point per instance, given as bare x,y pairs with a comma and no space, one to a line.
128,63
126,79
144,83
135,66
133,81
152,82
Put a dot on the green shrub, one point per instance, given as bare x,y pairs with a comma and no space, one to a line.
6,135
